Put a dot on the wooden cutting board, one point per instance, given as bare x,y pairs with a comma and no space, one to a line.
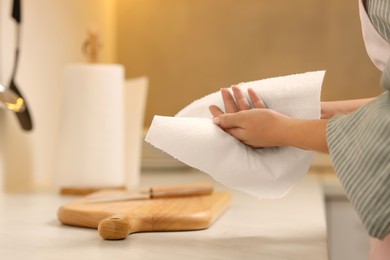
115,220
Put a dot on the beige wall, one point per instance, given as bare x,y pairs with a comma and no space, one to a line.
190,48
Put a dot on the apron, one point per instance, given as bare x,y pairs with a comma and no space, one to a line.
359,145
378,49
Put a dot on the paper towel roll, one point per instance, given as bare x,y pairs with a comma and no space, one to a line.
136,90
91,139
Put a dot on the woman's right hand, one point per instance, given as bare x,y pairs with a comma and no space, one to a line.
241,103
257,126
262,127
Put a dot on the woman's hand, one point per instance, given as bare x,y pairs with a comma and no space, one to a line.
263,127
257,127
242,103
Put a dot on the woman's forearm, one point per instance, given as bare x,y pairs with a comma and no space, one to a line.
332,108
306,134
311,134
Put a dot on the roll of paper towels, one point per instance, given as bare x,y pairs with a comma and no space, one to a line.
91,140
136,90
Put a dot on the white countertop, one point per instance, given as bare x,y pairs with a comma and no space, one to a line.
293,227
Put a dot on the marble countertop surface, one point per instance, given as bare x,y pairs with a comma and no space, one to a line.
293,227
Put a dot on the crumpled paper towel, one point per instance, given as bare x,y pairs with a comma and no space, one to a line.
194,139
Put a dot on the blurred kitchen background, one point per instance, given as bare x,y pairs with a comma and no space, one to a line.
187,49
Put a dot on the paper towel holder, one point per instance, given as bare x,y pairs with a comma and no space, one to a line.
91,46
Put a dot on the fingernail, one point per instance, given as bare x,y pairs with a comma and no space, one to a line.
216,120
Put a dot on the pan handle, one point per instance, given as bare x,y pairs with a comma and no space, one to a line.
17,11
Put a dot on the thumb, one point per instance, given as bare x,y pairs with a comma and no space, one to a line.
229,120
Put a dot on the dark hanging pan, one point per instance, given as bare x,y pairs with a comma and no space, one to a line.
23,115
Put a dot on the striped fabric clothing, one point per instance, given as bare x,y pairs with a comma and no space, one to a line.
385,81
379,13
359,145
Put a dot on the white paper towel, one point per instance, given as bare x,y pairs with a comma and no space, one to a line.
136,90
192,138
91,139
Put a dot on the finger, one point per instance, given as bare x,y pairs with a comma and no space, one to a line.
256,99
241,100
226,121
215,111
228,101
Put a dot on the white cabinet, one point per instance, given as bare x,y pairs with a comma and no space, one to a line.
347,238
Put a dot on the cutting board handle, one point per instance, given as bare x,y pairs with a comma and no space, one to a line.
114,228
